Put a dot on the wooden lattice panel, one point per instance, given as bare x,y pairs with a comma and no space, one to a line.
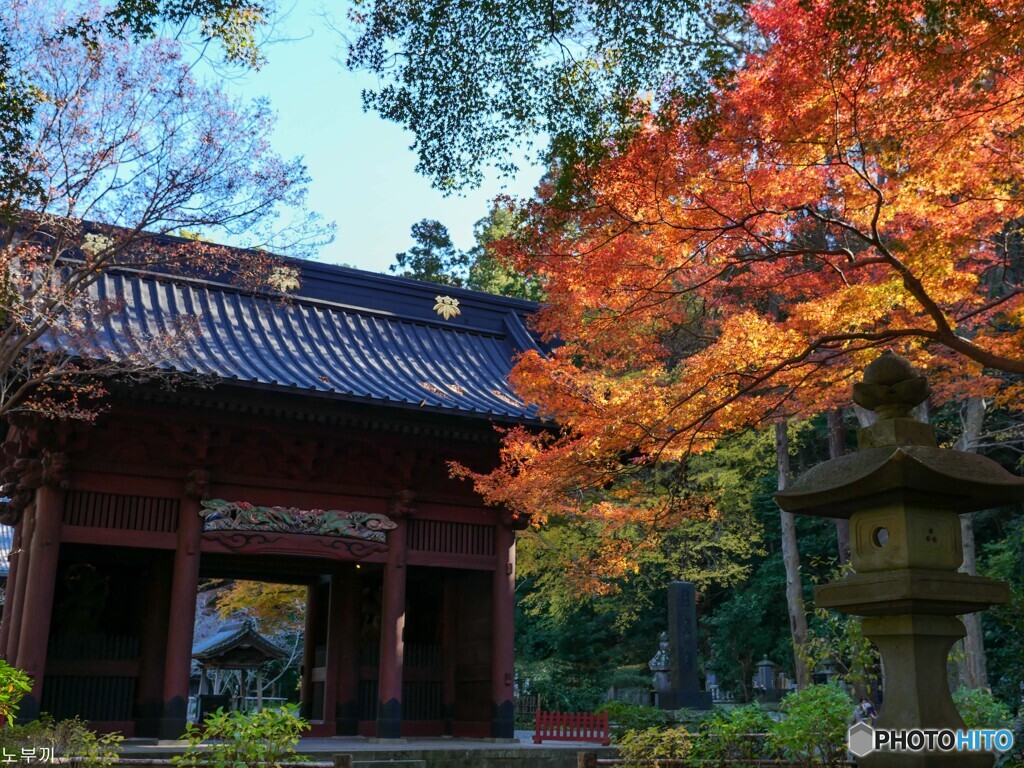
451,538
91,698
121,512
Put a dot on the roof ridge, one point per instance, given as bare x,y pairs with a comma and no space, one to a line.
524,305
425,286
263,295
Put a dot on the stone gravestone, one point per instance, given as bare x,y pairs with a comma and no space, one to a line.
765,681
682,634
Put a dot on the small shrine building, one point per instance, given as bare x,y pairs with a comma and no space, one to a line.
311,445
236,646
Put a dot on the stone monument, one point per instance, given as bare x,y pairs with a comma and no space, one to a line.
682,651
903,496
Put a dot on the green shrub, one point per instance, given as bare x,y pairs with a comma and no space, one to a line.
241,739
67,738
561,687
633,717
980,709
813,729
692,719
624,678
637,748
14,684
737,734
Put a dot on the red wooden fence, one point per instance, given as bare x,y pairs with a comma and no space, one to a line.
571,726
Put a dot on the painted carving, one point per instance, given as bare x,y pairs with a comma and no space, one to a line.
220,515
196,483
18,483
55,470
401,504
23,474
255,543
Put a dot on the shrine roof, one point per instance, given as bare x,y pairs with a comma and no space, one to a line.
345,334
242,634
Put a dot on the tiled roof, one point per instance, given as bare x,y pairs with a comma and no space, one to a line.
237,634
347,334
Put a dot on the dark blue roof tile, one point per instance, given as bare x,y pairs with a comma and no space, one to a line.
390,347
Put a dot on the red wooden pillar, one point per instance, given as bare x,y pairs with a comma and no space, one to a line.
184,585
449,650
10,588
153,648
28,525
40,582
503,606
343,638
334,630
310,639
392,637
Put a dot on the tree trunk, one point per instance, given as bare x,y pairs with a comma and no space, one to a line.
975,672
837,448
791,561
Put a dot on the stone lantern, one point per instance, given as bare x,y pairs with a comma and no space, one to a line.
903,496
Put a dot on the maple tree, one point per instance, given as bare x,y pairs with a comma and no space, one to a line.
279,608
851,192
124,147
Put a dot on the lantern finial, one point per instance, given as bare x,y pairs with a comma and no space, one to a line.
891,387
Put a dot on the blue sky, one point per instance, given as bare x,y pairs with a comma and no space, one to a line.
362,168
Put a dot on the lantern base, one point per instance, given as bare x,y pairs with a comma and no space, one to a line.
911,591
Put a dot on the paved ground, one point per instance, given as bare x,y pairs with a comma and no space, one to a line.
356,744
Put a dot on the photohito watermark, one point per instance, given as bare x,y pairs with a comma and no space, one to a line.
862,739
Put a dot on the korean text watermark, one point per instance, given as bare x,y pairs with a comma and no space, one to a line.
10,755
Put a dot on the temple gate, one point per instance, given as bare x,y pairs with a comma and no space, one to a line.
310,446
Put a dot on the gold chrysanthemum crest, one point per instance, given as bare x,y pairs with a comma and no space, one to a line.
447,307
